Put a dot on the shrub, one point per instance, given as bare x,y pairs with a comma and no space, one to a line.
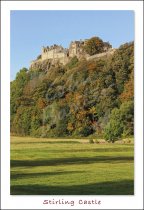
38,57
97,141
129,141
73,62
91,141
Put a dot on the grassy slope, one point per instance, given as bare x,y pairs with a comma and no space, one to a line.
44,166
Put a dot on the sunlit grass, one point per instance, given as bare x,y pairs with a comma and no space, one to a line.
70,167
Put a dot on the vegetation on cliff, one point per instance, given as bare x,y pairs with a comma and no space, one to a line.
96,45
82,98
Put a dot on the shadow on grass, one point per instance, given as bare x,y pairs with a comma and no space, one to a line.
124,187
47,142
67,161
118,149
29,175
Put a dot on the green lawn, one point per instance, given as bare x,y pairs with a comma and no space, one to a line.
70,167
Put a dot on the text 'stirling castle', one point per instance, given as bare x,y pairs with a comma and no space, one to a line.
56,54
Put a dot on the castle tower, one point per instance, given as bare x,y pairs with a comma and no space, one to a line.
73,48
43,49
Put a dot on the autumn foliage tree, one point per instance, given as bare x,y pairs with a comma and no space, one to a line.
94,45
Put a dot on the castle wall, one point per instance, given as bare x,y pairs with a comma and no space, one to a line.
48,55
59,55
108,53
53,54
64,60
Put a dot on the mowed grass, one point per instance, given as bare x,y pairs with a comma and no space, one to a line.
70,167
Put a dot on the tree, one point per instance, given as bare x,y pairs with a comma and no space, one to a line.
122,64
21,124
41,103
120,123
94,45
127,117
113,130
128,93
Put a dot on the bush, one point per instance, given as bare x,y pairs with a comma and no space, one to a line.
38,57
127,141
91,141
97,141
73,62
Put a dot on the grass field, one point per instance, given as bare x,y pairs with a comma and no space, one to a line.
70,167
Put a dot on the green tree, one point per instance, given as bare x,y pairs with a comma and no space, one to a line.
114,129
94,45
127,117
121,122
122,64
22,121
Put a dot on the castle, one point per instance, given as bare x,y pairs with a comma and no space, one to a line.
57,54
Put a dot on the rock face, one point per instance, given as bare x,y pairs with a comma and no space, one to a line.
39,64
56,54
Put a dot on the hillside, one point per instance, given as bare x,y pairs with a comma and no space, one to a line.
82,98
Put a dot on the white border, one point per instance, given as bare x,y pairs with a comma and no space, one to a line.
35,202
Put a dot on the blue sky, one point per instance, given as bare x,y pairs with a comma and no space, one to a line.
30,30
